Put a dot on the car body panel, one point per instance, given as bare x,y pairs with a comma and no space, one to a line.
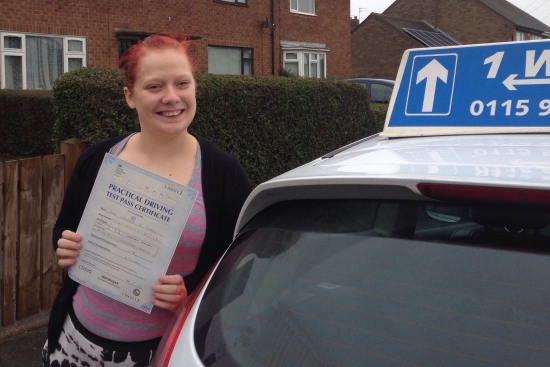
185,345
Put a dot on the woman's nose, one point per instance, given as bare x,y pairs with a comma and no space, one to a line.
170,95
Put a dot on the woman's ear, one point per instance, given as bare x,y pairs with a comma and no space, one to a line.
129,98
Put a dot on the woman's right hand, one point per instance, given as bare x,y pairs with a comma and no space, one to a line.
67,248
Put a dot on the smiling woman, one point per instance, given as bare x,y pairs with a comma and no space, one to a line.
163,95
87,328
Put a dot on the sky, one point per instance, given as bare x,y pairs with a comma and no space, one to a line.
539,9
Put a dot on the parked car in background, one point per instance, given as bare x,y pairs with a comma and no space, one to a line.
425,245
379,90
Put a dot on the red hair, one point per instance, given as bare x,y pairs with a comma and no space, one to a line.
159,41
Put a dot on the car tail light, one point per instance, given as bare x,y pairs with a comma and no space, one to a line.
169,339
486,194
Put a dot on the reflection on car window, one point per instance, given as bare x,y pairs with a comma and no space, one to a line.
381,283
380,92
446,213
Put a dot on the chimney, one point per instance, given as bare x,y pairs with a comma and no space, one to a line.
354,22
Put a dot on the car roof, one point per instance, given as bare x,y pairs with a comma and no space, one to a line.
389,81
392,168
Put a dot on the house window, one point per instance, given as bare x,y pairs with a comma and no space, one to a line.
230,60
34,61
302,6
520,36
74,56
305,63
124,44
234,1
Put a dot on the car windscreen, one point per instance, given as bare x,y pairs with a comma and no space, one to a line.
381,283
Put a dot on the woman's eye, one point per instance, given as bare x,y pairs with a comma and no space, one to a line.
184,82
153,87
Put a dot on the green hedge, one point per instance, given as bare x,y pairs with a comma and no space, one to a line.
26,122
272,124
89,105
378,116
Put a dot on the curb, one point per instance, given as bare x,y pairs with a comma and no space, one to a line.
24,326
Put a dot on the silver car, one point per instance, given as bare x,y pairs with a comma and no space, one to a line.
423,251
424,245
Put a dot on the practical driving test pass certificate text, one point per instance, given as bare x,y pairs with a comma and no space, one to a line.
130,229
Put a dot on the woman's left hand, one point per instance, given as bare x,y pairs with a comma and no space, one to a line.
170,293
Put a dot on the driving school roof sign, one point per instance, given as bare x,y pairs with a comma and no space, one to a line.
498,87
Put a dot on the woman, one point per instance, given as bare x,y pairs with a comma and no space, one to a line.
87,328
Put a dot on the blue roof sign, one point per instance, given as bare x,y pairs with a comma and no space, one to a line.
489,88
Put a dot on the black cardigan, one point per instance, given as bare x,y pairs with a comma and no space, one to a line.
225,187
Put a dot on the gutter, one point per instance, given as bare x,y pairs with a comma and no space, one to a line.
272,37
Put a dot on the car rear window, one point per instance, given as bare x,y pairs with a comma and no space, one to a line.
380,92
381,283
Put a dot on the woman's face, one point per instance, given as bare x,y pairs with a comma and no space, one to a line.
164,92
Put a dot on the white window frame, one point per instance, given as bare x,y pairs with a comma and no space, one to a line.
295,9
73,54
301,53
4,51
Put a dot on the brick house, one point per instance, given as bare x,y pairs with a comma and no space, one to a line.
378,43
40,40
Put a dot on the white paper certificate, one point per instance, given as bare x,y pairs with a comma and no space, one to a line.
130,229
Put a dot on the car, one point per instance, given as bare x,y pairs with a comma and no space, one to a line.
427,244
379,90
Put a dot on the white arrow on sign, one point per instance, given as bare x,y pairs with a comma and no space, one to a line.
431,72
511,81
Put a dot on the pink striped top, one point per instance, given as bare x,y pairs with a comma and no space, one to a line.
114,320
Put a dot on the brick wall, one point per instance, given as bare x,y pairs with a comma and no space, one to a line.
217,23
377,49
330,26
469,21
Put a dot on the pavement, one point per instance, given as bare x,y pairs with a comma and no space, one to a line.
24,350
21,344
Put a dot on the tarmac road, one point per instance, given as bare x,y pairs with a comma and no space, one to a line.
23,350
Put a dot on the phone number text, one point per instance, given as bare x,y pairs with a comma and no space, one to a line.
509,107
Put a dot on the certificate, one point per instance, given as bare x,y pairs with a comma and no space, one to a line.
130,228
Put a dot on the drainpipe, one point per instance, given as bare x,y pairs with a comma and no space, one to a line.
272,38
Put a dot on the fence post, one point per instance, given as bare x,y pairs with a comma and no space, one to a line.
10,238
30,237
71,148
53,179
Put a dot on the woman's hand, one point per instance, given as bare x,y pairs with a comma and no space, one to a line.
67,248
170,293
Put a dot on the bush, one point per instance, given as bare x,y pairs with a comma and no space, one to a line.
274,124
89,105
271,124
26,123
377,118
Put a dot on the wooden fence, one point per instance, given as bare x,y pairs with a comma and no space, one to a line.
31,192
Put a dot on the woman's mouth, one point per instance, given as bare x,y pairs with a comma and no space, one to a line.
170,113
